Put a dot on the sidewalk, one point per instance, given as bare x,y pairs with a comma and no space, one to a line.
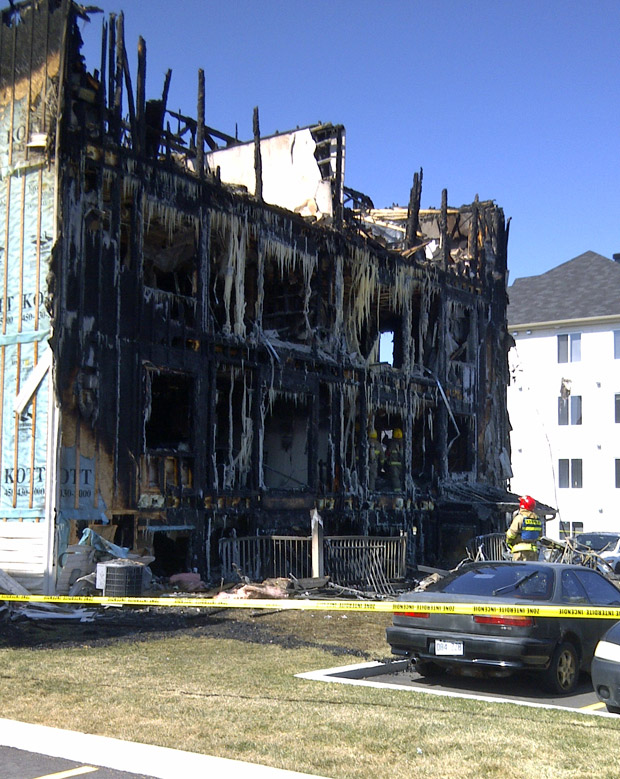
158,762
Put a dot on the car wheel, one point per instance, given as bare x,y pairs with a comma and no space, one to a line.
563,673
612,709
428,668
617,567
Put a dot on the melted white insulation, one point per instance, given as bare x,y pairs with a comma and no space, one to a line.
236,470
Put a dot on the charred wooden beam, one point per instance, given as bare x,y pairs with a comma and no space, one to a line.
117,108
133,122
413,214
200,131
258,163
338,182
443,226
141,96
166,89
102,81
154,120
111,70
472,239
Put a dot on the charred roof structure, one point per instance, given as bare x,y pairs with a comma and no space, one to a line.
192,327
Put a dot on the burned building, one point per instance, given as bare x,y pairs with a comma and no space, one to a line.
191,328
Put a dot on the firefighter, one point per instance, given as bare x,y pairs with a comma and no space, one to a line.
395,460
376,459
524,531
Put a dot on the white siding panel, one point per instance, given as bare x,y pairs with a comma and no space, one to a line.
23,552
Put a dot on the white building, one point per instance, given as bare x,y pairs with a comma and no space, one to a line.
564,397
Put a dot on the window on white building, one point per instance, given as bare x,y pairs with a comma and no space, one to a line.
617,473
616,344
569,410
569,347
617,399
568,529
570,474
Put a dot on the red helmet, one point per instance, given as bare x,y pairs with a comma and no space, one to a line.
527,502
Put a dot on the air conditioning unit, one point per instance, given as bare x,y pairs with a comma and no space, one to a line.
119,578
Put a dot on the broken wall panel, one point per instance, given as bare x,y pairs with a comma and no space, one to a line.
28,208
31,62
285,443
298,169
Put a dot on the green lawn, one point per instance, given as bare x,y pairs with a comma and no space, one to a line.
199,688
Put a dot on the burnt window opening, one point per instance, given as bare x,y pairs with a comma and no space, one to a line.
429,336
168,475
387,339
218,256
170,255
233,428
391,340
386,452
91,176
285,444
326,151
321,305
369,339
168,411
172,553
285,306
353,434
460,327
461,445
391,476
382,336
233,258
125,534
386,347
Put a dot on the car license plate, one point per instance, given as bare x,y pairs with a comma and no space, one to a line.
448,647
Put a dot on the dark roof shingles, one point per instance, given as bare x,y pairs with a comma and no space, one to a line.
586,286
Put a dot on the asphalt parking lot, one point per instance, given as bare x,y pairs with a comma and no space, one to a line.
521,689
20,764
30,751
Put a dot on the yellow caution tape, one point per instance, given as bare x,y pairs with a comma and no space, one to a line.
299,604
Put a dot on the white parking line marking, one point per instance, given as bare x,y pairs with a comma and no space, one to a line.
83,769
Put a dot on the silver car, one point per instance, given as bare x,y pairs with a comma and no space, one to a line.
606,545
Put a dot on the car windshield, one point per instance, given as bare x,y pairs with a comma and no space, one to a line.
597,541
517,581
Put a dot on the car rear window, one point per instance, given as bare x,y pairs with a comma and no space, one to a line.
522,581
600,590
596,541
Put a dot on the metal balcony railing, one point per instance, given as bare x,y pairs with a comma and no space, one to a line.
360,561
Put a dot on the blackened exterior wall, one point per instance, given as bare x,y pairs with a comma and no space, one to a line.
216,358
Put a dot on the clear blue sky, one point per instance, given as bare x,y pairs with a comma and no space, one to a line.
515,100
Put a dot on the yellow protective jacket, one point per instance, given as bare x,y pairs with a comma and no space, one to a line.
524,531
395,452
